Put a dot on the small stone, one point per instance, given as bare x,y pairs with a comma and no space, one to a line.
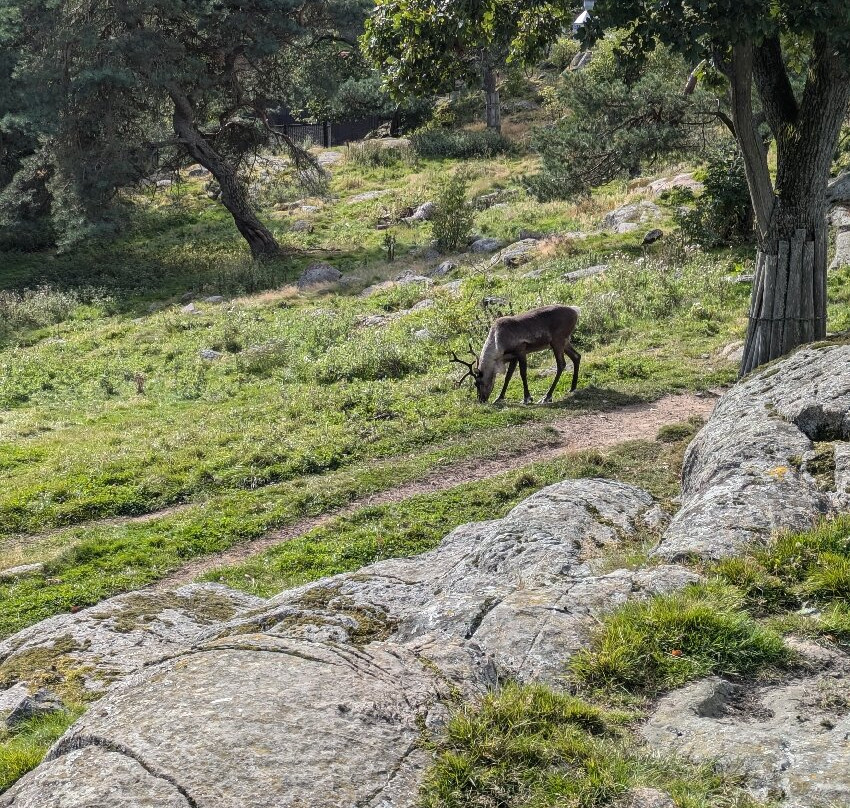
653,235
301,226
647,798
628,217
214,299
164,183
209,354
521,252
733,352
422,335
21,571
590,272
486,245
309,209
190,308
197,171
318,274
407,278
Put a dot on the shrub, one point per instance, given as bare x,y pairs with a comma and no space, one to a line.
459,144
723,214
453,215
662,643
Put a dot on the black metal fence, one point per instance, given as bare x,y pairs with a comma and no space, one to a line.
329,133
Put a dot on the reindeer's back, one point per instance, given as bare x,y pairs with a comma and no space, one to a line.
540,325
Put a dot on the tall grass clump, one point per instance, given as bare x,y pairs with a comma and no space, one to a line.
657,645
23,747
36,308
375,154
459,144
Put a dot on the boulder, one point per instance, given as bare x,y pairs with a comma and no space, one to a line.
301,226
406,278
788,739
93,647
842,250
18,704
190,308
443,269
589,272
653,235
742,477
733,352
197,171
368,196
21,571
486,245
318,274
685,181
423,213
518,253
629,217
214,299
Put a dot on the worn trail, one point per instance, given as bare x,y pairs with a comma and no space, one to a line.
577,433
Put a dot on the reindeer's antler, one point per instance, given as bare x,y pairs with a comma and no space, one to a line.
470,366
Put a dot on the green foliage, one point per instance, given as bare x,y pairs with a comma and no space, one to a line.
425,49
460,144
527,746
23,747
611,125
661,644
453,215
722,215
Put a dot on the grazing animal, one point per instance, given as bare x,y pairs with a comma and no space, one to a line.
510,341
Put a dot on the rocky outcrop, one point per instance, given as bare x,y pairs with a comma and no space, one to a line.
319,274
630,217
771,457
317,697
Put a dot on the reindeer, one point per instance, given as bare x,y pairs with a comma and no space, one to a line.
510,341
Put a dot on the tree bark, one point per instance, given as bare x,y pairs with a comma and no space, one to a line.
788,304
492,103
234,195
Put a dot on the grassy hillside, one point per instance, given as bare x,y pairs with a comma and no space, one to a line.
109,410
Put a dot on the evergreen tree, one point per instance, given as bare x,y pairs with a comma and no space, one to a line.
115,90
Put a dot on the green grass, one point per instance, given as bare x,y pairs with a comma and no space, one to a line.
23,747
531,747
657,645
421,522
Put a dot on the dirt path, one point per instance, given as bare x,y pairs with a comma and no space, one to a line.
578,433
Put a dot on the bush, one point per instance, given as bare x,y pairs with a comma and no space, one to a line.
459,144
453,216
723,214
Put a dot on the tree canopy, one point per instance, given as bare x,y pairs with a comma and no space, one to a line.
423,47
108,92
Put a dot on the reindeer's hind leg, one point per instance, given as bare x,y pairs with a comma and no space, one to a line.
576,357
511,369
561,364
523,372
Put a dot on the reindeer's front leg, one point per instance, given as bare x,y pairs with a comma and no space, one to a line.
511,369
523,373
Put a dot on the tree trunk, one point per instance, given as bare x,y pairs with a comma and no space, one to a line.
491,99
234,195
788,303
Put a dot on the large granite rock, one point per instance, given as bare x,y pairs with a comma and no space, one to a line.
318,696
765,459
80,655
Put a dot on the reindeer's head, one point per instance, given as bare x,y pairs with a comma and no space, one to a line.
483,382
